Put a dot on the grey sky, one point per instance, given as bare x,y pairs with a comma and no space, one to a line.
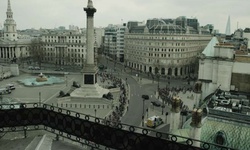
54,13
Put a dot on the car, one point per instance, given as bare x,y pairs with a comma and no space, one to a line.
146,97
224,102
59,69
31,68
112,86
10,86
102,67
62,94
156,103
37,68
4,91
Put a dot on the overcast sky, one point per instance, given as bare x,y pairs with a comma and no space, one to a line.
54,13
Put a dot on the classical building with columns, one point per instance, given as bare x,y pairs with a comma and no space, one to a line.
61,47
65,48
165,46
10,45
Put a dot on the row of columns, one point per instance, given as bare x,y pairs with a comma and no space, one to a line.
173,71
7,52
60,55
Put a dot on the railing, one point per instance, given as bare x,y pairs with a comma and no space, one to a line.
84,128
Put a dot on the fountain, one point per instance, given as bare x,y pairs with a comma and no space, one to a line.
41,80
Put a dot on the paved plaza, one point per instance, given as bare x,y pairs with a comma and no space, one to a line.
24,94
49,94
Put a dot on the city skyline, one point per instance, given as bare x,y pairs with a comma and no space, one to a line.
43,14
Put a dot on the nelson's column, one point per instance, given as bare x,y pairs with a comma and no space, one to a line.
89,88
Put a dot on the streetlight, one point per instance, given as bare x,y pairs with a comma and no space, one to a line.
144,97
39,98
158,78
95,112
66,80
162,106
166,119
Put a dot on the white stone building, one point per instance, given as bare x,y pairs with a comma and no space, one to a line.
10,45
64,48
114,42
162,47
221,67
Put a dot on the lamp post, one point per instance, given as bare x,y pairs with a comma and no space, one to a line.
158,78
144,97
166,119
66,80
39,98
95,112
162,107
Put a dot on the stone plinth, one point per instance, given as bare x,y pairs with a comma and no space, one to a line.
88,91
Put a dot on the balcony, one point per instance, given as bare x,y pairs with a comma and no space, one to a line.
87,129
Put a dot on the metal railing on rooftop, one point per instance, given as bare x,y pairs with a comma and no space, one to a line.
86,129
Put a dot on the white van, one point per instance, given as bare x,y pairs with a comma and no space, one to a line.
154,121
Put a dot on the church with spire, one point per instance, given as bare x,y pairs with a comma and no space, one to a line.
11,47
10,32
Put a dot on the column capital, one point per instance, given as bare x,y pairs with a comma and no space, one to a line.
90,11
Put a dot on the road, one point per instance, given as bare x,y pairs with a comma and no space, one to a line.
135,112
138,87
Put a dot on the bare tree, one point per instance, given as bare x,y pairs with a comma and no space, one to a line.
37,51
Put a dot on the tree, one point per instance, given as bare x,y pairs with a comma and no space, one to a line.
37,52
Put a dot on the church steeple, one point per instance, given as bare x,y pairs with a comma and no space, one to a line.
10,32
9,12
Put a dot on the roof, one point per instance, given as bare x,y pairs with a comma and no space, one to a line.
235,133
209,50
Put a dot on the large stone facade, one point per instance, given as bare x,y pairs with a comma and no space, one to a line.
166,49
64,48
11,46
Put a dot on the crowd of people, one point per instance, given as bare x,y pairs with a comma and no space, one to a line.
167,94
110,79
115,117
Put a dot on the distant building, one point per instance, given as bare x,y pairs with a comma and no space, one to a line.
99,34
246,35
61,46
222,65
11,47
114,42
165,46
68,48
